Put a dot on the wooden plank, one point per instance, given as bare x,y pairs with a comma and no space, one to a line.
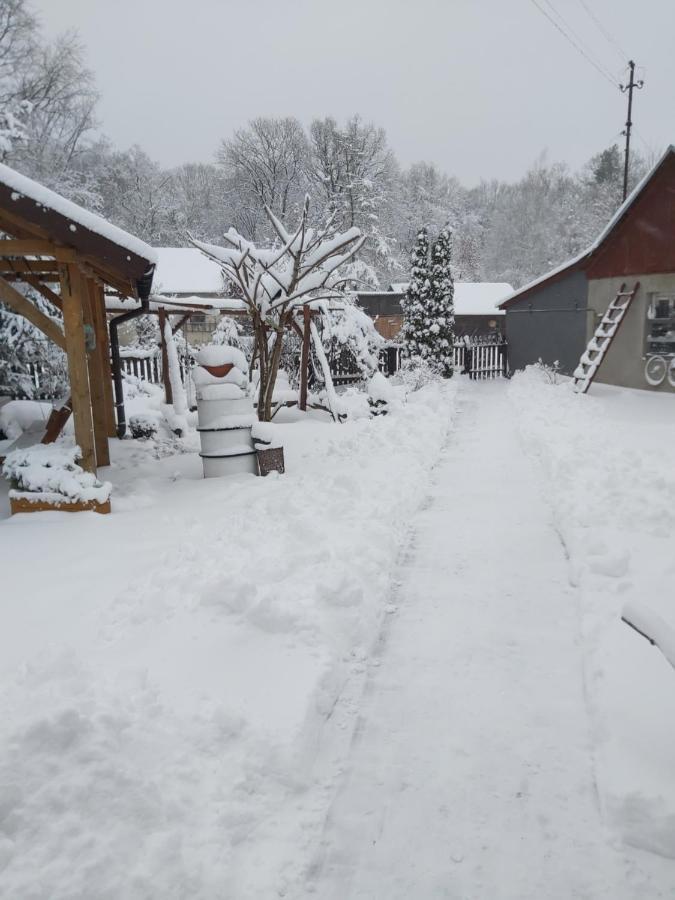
73,324
46,267
35,247
304,357
103,345
168,392
28,310
24,505
56,422
41,288
95,371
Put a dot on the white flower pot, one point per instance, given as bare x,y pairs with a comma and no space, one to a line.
219,440
237,461
210,411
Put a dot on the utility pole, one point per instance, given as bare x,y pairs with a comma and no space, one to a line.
632,84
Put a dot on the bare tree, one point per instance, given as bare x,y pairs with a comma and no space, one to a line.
275,283
266,165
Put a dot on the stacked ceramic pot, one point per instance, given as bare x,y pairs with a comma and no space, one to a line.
224,413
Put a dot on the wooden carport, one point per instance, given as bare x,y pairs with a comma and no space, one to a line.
68,256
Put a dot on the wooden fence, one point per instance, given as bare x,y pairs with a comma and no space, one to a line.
476,359
481,360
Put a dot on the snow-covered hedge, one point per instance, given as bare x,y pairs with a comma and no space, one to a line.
51,472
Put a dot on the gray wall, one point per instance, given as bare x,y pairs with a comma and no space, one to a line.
550,323
625,361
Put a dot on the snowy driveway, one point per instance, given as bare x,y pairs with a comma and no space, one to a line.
471,773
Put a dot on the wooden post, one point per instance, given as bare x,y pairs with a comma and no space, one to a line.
103,347
73,326
166,377
304,358
95,370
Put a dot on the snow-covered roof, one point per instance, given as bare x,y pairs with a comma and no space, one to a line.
480,298
185,303
186,270
606,231
46,199
472,298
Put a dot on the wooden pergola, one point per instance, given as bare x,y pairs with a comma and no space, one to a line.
184,307
68,256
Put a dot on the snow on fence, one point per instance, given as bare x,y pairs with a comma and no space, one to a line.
475,358
481,360
149,367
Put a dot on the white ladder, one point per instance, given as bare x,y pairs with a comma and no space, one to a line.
599,344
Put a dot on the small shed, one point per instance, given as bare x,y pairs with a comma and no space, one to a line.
70,256
477,312
554,317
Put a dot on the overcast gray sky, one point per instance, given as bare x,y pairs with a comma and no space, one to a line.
479,87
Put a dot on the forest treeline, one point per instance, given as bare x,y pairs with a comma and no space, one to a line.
502,231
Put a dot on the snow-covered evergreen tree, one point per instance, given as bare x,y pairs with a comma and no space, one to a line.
414,333
440,307
428,315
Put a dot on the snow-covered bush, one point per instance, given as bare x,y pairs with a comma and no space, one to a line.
380,394
143,426
550,373
350,338
51,472
416,372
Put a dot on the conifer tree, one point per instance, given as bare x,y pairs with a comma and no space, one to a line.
428,319
414,332
440,306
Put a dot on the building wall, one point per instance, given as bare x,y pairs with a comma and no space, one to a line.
479,326
550,323
625,360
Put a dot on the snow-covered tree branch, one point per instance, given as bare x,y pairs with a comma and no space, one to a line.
275,281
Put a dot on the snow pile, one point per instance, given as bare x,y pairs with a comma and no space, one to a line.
608,465
380,389
18,416
265,435
220,355
157,724
51,472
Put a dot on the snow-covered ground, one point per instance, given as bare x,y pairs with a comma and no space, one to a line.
166,669
609,463
396,671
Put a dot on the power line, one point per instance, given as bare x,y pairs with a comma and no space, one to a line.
576,46
577,37
606,34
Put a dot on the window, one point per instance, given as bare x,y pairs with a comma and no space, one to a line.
661,325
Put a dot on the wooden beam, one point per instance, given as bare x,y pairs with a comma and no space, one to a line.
41,288
95,371
19,228
28,310
304,357
57,421
34,247
168,392
179,324
73,324
103,344
34,267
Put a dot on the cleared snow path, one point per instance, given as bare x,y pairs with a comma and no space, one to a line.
471,771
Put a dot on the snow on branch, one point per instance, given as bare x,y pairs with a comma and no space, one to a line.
272,280
652,627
